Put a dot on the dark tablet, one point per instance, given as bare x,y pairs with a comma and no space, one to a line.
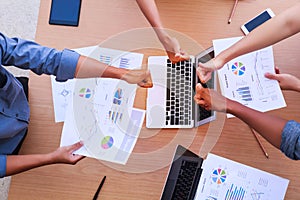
65,12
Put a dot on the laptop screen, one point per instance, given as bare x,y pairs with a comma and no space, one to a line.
201,115
184,175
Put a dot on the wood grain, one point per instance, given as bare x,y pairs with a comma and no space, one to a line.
112,24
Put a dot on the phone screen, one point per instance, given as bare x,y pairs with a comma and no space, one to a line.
257,21
65,12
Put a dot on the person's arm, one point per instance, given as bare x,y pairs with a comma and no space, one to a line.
284,25
274,30
87,67
20,163
171,45
65,64
270,127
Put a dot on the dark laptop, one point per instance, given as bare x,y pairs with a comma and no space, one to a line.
183,177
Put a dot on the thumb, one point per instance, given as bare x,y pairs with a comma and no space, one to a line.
198,87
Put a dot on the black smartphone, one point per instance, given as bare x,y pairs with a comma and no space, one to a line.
65,12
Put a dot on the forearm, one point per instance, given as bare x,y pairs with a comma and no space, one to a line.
274,30
19,163
91,68
150,11
270,127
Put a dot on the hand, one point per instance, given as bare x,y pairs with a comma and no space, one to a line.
65,154
210,99
286,81
138,76
175,53
204,70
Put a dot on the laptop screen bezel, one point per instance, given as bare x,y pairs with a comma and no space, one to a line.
181,153
207,54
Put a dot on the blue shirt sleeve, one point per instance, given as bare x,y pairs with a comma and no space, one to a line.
39,59
290,140
2,166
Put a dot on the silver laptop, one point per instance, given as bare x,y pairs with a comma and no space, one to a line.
170,103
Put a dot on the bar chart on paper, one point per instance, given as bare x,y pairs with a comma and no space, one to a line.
235,193
244,93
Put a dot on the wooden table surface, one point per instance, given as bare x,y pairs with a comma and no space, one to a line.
120,25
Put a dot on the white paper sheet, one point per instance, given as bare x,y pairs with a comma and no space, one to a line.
101,114
99,111
242,79
63,91
229,180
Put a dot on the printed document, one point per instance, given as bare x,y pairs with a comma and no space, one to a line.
63,91
101,114
242,79
99,111
222,178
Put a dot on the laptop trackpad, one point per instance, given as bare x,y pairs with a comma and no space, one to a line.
158,73
156,99
155,106
156,117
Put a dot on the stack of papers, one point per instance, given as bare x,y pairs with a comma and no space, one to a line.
99,111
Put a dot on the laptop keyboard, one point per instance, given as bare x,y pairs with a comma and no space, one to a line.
179,93
185,180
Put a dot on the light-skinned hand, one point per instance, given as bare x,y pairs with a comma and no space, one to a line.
175,53
141,77
66,154
286,81
204,70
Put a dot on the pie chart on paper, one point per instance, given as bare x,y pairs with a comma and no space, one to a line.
107,142
238,68
219,176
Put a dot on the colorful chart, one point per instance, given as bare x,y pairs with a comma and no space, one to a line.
124,63
235,194
219,176
238,68
115,116
85,93
107,142
118,96
244,93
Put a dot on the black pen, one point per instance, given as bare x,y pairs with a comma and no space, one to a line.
99,188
